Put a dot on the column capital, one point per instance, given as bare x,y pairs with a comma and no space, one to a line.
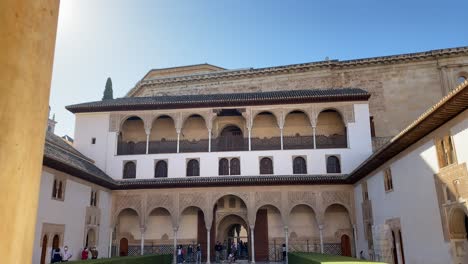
142,229
286,228
321,227
175,228
252,227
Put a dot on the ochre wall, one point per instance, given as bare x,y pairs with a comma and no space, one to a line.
415,85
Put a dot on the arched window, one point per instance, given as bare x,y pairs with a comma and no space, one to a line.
60,190
235,166
129,170
333,165
193,168
461,79
223,167
160,170
299,166
54,189
266,166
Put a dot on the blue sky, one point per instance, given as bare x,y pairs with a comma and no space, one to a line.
125,39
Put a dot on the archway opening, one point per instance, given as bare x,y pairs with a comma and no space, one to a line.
303,230
331,130
232,229
90,238
128,230
132,137
265,132
192,231
297,131
44,249
163,136
194,135
230,138
159,235
337,223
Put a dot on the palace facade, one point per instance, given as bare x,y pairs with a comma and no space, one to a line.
306,155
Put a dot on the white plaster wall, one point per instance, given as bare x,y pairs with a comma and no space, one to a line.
71,212
91,125
88,126
414,199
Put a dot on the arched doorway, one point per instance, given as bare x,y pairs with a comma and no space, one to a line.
345,245
230,139
44,249
90,238
458,226
55,242
338,224
231,226
123,249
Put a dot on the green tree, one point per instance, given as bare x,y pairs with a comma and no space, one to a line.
108,93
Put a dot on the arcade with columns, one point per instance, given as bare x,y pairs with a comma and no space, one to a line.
316,218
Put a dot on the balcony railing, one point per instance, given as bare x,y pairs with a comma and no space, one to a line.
232,144
331,141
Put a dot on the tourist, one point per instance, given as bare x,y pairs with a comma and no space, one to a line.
66,256
84,253
361,255
284,252
190,253
56,256
179,254
216,249
199,253
225,246
94,253
233,251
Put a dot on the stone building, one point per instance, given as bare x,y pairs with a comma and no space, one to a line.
291,155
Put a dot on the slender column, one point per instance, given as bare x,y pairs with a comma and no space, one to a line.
281,131
253,243
250,140
208,246
147,142
321,238
355,240
142,243
209,140
178,140
313,133
109,254
174,257
28,30
286,235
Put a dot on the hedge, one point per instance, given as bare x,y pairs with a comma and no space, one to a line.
317,258
147,259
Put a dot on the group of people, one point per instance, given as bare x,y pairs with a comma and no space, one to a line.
189,254
65,255
237,250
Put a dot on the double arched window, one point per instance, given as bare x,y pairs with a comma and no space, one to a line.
160,169
266,166
299,165
129,171
333,164
229,166
193,168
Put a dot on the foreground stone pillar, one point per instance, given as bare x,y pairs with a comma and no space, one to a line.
27,31
142,241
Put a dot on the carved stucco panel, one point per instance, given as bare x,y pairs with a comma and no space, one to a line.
122,202
295,198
